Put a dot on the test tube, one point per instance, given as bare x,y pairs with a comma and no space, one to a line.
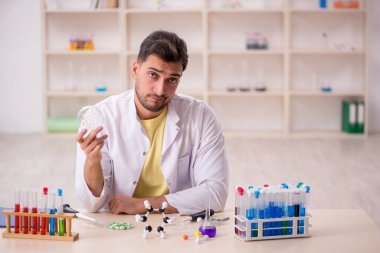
34,210
61,221
242,204
307,202
276,210
251,198
266,213
261,203
247,204
296,197
52,210
255,212
238,200
26,210
304,202
290,210
282,205
256,204
44,210
271,209
297,203
17,209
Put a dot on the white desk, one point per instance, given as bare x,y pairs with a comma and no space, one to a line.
333,230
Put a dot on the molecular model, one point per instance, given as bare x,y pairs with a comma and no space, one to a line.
197,234
144,218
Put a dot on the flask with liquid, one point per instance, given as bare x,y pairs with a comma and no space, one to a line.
207,227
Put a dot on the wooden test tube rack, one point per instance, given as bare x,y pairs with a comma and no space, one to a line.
68,236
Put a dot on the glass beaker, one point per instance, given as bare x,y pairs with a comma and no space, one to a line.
100,85
244,82
70,86
231,79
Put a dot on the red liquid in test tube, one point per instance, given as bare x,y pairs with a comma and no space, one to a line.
34,210
44,210
26,210
17,209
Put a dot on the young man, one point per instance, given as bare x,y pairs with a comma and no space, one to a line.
156,145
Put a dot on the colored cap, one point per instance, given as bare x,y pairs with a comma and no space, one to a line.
250,187
240,190
59,192
307,188
266,185
45,190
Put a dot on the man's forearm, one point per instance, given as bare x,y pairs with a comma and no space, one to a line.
93,175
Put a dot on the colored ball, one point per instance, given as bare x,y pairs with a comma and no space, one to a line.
198,234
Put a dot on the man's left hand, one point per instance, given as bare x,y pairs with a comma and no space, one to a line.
123,204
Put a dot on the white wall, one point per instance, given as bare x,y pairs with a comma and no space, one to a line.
374,66
20,67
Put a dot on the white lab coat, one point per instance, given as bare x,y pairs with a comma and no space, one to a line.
192,154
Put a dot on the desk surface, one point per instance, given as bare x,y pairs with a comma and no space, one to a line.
333,230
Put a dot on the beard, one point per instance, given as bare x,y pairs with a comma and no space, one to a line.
144,100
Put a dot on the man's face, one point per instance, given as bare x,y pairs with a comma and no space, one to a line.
156,82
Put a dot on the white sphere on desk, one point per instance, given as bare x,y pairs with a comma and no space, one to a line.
147,204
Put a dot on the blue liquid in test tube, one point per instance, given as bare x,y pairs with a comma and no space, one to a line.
52,210
290,211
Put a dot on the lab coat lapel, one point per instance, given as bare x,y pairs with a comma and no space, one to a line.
133,121
171,128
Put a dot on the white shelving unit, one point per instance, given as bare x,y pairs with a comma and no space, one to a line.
300,58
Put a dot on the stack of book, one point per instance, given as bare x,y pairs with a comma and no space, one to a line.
80,5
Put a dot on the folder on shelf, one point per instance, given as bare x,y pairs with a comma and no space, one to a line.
353,116
360,117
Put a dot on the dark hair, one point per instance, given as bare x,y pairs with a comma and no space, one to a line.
166,45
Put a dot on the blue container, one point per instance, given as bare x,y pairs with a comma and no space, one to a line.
323,4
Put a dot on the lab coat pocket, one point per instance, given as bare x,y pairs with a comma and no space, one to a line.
183,172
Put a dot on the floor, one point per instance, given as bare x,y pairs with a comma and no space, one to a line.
343,173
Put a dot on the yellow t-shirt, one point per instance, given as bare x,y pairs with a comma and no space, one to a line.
152,181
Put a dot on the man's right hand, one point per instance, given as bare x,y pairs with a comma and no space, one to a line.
91,146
